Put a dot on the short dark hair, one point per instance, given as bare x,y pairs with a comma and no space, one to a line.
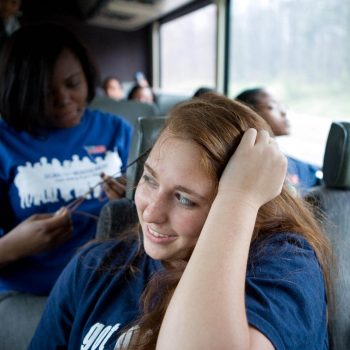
133,91
107,80
250,97
203,90
26,65
136,87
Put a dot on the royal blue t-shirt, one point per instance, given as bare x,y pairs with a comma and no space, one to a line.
301,175
92,306
42,174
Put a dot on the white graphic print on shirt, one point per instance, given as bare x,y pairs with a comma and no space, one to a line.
44,181
124,340
98,336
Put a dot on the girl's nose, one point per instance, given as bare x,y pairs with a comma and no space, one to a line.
155,211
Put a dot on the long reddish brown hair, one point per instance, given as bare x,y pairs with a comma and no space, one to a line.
216,124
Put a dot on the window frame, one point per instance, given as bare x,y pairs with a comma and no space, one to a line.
222,41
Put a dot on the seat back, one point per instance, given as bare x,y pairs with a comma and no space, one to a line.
333,199
116,216
120,215
145,135
20,314
129,110
166,101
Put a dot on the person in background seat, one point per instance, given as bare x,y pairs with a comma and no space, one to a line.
143,94
203,90
113,88
302,176
9,23
52,153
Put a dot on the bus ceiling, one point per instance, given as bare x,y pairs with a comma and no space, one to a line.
126,15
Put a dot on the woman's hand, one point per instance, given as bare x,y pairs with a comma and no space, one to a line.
38,233
256,171
114,188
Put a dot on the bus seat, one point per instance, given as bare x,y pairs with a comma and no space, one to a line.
146,133
332,201
118,215
20,314
166,101
130,110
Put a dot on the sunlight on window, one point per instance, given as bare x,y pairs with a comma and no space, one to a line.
300,49
188,46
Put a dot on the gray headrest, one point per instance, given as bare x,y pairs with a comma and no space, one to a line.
336,161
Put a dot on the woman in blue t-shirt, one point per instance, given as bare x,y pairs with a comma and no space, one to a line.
227,257
301,175
53,151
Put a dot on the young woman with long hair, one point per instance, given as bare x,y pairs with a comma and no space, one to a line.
225,256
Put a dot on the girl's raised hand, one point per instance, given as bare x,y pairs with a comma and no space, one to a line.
256,171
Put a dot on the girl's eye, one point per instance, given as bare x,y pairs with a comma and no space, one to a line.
184,201
149,180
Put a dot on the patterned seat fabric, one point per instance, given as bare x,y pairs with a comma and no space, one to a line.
332,204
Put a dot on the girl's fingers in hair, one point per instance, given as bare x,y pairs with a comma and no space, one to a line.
263,137
272,141
248,138
256,171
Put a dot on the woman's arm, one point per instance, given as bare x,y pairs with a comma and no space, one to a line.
207,310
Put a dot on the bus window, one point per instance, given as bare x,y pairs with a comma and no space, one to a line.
187,51
300,50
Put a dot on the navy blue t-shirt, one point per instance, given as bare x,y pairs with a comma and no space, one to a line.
90,306
285,293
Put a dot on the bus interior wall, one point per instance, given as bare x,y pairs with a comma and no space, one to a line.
116,52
